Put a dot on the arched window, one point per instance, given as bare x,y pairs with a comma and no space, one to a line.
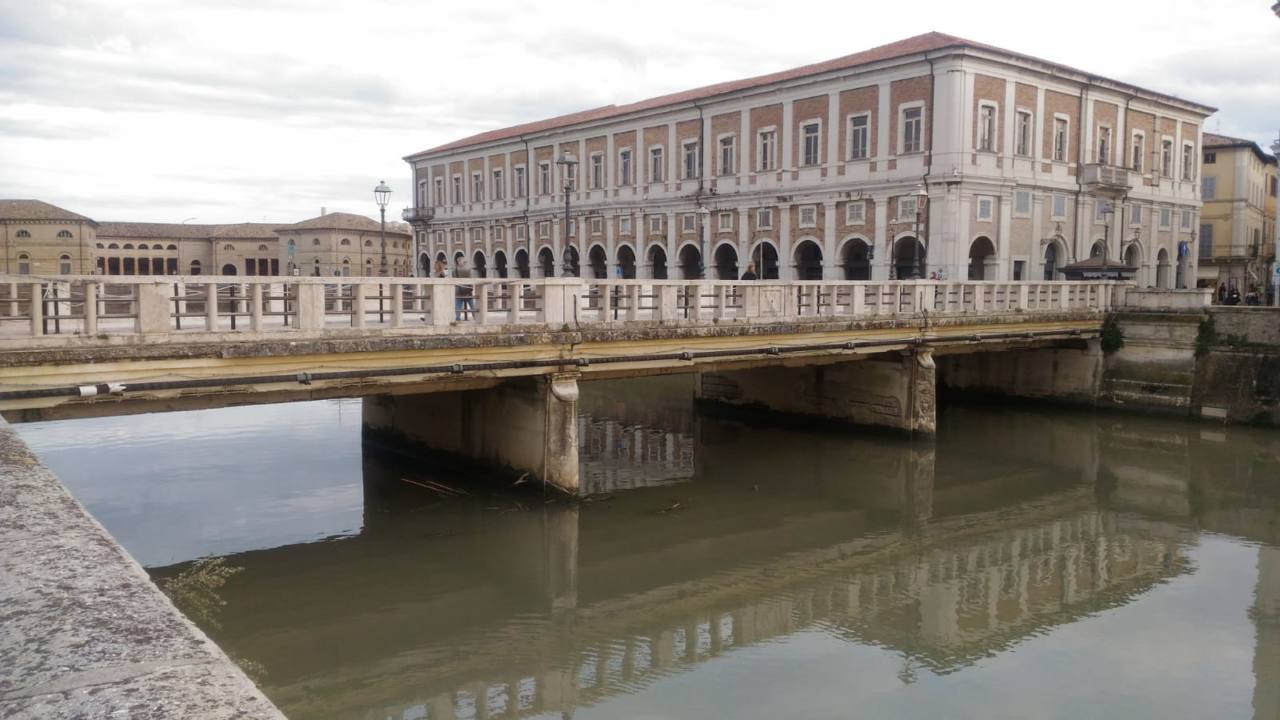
64,234
344,241
64,264
99,246
143,246
346,266
368,243
172,247
23,234
229,248
315,242
24,262
263,248
195,267
113,246
127,246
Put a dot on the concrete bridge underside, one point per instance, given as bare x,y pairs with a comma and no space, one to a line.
509,399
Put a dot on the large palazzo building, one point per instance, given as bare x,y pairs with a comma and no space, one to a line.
37,238
929,155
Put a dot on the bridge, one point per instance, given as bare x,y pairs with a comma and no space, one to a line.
488,368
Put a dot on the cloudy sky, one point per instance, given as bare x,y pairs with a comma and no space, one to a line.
251,110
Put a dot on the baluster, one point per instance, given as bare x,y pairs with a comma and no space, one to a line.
90,308
397,305
211,307
482,302
357,305
255,307
633,292
37,310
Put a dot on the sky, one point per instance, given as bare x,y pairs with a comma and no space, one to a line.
267,110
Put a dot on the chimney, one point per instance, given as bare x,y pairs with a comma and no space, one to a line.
321,211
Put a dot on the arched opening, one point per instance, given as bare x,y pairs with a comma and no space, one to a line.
726,260
1052,261
765,257
657,263
195,267
499,263
228,269
143,246
522,263
571,266
316,268
64,264
346,267
982,259
1162,269
368,267
908,259
546,263
690,262
808,258
599,262
1099,249
1133,258
424,264
102,266
479,265
856,260
627,262
24,263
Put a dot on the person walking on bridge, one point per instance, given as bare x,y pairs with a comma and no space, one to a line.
464,304
750,274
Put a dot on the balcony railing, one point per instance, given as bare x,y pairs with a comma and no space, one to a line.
417,214
1107,177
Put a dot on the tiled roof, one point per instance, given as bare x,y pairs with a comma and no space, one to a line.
37,210
246,231
1213,140
154,230
345,221
903,48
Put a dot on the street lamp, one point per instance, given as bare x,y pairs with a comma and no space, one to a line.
567,164
704,225
922,198
1107,212
381,194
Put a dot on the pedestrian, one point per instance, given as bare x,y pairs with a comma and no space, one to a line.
441,270
1233,296
464,304
1222,293
750,274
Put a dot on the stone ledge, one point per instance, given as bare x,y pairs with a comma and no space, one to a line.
85,631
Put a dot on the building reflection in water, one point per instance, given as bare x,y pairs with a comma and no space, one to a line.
943,555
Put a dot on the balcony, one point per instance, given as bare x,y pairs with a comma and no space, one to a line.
1106,179
416,215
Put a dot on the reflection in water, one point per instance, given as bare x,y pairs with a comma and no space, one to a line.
1049,564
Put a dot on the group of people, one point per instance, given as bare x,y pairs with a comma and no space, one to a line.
1229,294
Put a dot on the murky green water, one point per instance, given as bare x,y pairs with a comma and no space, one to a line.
1030,564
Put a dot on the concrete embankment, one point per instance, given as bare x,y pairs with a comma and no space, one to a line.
84,633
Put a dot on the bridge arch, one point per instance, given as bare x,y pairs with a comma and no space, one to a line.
625,257
598,260
982,259
725,259
855,258
656,259
807,259
765,256
909,261
690,259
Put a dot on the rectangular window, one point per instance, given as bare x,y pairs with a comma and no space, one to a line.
1104,145
1166,158
855,213
477,187
1186,220
497,232
987,128
764,219
907,207
1206,240
439,192
1210,158
1022,203
859,133
912,118
812,143
457,190
986,208
727,155
1022,145
692,161
1060,139
597,171
655,165
521,232
544,229
1100,210
1059,207
624,167
1209,188
688,222
768,146
521,188
726,221
808,216
1188,161
1135,215
624,224
1139,149
597,226
1166,218
544,178
497,185
655,224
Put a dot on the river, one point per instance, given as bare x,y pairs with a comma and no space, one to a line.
1030,563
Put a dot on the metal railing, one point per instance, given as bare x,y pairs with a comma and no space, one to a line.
101,307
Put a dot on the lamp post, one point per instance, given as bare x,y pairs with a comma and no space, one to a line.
567,164
704,225
922,198
1107,212
381,194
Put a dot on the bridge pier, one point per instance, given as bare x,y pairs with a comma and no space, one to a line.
1066,374
895,392
525,425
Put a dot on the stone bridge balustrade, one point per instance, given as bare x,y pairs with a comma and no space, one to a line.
100,308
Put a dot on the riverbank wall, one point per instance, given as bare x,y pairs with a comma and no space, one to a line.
84,632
